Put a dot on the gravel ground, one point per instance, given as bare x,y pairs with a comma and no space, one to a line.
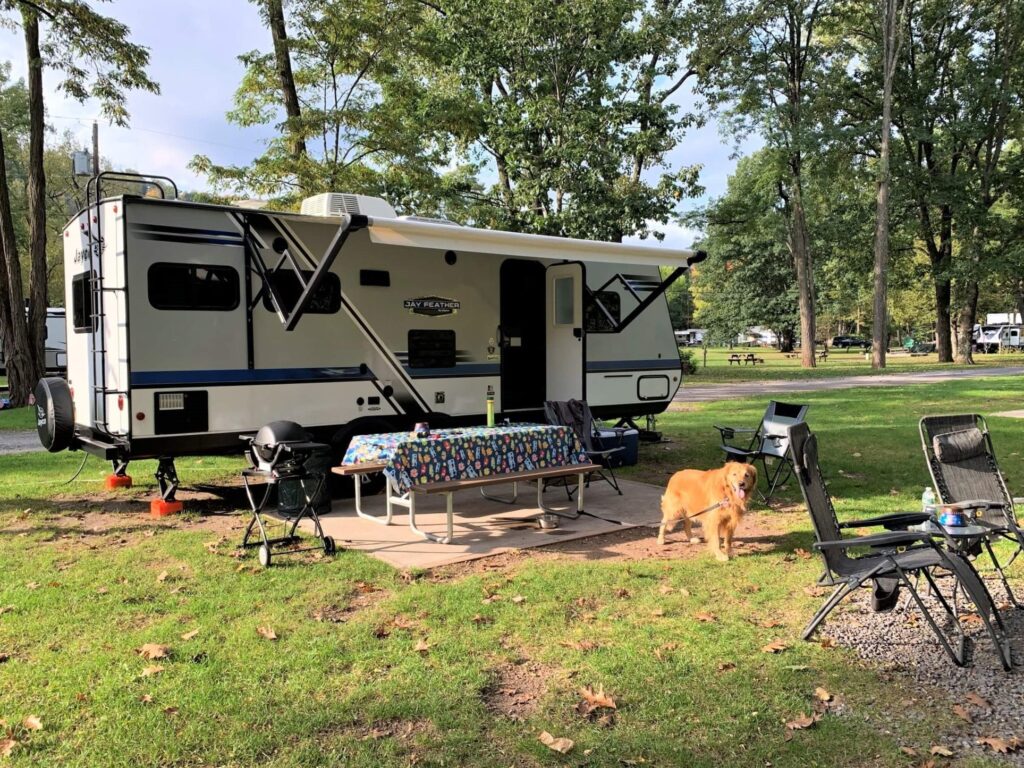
901,641
18,442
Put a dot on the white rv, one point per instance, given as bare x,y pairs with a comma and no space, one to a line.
55,344
189,324
997,338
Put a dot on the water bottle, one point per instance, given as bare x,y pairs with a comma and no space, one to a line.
490,409
927,504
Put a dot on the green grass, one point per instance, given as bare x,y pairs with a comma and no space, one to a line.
845,362
17,419
357,692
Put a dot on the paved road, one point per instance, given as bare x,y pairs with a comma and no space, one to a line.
17,442
712,392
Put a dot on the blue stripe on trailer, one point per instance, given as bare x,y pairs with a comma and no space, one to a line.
461,369
244,376
597,366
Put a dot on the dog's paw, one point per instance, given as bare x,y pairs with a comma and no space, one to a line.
695,539
721,557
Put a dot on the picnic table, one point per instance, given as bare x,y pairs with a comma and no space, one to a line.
446,461
750,357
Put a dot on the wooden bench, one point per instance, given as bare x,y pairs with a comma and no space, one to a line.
449,487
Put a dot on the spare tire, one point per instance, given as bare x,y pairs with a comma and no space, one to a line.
55,414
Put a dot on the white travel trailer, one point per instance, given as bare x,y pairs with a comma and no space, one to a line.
55,344
997,338
190,324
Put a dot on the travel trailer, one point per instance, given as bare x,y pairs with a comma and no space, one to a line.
997,338
55,345
191,324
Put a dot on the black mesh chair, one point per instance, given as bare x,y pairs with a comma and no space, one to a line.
896,556
963,466
769,443
576,415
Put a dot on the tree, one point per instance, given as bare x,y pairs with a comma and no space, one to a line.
59,35
775,85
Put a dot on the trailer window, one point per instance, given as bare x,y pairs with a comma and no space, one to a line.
196,287
431,349
326,299
597,320
81,303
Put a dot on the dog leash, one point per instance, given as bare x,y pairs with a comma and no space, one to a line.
657,523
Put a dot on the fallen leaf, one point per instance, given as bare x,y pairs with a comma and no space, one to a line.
1002,746
491,599
622,592
7,746
909,751
479,619
971,618
32,585
190,635
32,723
155,669
146,698
562,744
775,646
170,710
962,713
802,553
658,613
725,666
665,589
828,642
598,699
422,646
941,751
802,722
163,576
266,632
81,696
769,623
518,599
815,591
822,695
705,617
153,651
102,591
978,701
6,609
579,645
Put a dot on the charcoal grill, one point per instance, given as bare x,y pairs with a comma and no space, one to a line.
280,452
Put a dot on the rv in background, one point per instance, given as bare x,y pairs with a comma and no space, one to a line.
997,338
56,343
691,337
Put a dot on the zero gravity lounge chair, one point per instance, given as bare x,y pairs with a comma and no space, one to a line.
768,442
902,556
963,466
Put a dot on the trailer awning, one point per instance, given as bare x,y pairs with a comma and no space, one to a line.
449,237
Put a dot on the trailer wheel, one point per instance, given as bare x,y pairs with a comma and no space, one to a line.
370,485
55,414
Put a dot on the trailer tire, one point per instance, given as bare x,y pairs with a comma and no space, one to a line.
55,414
343,487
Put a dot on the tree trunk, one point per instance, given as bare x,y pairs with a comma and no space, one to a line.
965,323
1018,297
283,62
799,246
36,197
943,341
14,334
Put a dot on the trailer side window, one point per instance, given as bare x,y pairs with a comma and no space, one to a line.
431,349
596,319
81,302
197,287
326,299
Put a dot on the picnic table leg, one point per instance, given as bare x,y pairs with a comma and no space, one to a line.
424,534
515,495
556,512
384,519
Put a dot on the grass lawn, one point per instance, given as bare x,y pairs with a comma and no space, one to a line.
843,362
371,667
17,419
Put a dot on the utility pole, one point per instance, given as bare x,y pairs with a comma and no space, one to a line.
95,148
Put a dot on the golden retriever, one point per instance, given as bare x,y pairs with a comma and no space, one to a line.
692,491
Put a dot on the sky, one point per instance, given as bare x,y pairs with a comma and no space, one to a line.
194,45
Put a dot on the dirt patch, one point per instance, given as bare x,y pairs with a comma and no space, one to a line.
404,730
759,532
517,687
363,595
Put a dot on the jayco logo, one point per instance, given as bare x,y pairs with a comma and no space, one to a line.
432,306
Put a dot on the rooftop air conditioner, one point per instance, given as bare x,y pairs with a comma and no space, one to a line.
339,203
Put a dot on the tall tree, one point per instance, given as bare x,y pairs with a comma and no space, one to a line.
273,12
59,35
775,85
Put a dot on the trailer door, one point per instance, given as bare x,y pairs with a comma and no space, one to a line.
566,344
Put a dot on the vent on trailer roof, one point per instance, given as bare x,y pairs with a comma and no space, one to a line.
339,203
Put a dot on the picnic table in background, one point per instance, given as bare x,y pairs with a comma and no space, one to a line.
750,357
473,456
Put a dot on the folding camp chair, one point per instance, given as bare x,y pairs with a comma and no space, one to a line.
963,466
576,415
893,556
769,442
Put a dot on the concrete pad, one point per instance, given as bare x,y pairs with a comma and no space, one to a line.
1011,414
483,527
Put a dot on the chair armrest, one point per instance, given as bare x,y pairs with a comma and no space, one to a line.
975,504
736,429
892,539
895,520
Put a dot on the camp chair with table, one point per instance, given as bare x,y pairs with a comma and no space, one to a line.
899,556
963,467
769,441
576,415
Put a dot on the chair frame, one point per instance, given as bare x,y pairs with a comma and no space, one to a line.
895,555
558,412
754,450
1008,528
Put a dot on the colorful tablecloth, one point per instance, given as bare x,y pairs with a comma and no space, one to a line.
460,454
